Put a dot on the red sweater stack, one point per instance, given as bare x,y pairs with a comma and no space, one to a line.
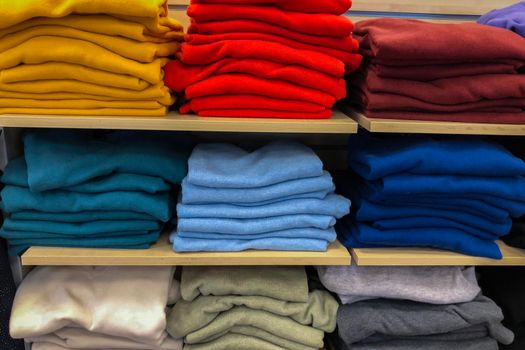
265,58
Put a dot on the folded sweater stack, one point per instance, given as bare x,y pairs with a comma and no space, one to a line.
256,308
265,58
413,308
86,57
71,189
105,307
276,198
450,72
452,194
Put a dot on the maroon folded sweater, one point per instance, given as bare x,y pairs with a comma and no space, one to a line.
335,7
267,50
243,84
178,76
402,42
316,24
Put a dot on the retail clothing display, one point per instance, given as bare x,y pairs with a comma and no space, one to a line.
511,17
264,59
264,307
425,284
491,279
106,307
7,294
409,75
418,191
74,189
400,324
107,59
234,200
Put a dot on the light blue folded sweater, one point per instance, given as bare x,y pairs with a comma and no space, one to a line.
19,198
307,233
228,166
254,226
311,187
206,245
16,175
333,205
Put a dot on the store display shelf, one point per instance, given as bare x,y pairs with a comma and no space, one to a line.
338,124
434,127
433,257
161,254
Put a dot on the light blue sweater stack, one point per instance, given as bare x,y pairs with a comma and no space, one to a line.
276,198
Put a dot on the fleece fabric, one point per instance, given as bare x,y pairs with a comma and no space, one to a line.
228,166
78,338
242,341
187,317
331,205
362,235
125,302
104,24
336,7
265,113
311,187
266,50
511,18
428,284
298,233
83,216
89,158
381,321
321,24
184,244
282,283
179,75
27,9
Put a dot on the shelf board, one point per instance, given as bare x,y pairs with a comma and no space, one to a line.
338,124
434,127
161,254
433,257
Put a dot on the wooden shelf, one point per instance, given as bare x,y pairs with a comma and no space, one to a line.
430,127
433,257
338,124
161,254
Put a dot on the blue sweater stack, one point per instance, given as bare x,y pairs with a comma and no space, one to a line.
277,198
74,190
459,195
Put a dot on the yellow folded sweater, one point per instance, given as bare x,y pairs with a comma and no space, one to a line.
78,104
17,11
101,24
68,71
58,49
87,112
157,92
132,49
165,100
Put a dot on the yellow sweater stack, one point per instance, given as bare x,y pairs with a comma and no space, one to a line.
86,57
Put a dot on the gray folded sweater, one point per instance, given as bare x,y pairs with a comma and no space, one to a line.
381,322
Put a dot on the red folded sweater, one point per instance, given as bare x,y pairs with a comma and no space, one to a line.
249,102
345,54
335,7
248,26
264,113
403,42
319,24
206,54
242,84
178,76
